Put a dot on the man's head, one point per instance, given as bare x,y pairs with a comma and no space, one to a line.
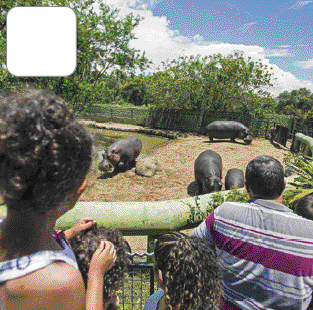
265,177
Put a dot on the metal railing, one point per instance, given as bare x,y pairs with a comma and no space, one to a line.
139,284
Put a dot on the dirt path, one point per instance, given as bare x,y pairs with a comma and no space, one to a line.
177,175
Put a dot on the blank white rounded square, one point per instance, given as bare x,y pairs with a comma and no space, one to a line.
41,41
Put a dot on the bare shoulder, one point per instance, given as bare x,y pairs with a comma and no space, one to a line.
58,285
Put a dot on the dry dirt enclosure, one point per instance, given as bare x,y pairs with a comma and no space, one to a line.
177,163
177,175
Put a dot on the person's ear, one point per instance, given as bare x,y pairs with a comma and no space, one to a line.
159,277
82,187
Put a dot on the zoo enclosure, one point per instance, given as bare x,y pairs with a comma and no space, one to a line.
193,121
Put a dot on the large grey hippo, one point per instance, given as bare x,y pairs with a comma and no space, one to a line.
208,172
234,177
121,151
229,129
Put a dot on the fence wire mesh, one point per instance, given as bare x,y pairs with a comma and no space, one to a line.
139,283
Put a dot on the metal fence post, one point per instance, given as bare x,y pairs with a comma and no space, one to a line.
266,130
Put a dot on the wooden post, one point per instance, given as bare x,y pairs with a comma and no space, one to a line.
111,115
131,115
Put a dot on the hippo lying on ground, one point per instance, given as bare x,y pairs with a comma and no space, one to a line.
121,151
229,129
208,172
234,177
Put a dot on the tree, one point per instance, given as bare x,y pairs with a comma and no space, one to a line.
135,91
297,102
214,82
102,48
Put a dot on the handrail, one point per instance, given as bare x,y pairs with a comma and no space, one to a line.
302,143
150,218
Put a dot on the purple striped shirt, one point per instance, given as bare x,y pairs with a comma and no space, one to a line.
266,254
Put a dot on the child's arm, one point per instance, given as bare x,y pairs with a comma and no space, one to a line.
80,225
101,262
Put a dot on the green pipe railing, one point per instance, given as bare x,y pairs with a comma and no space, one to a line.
151,218
302,143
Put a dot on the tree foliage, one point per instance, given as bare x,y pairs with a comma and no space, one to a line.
102,48
216,82
297,102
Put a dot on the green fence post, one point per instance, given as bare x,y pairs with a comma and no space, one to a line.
150,246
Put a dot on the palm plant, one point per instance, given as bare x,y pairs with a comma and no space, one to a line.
302,185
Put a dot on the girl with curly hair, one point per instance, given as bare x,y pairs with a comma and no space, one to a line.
44,158
188,273
85,244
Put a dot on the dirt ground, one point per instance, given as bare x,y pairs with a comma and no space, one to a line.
176,180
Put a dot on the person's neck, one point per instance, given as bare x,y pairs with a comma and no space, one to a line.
23,233
279,199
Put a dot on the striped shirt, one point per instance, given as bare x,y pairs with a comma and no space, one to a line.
265,252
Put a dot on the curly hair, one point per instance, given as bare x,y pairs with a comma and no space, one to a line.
43,150
190,270
85,244
304,207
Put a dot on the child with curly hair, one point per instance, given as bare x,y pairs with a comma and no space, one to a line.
304,207
188,273
44,158
84,245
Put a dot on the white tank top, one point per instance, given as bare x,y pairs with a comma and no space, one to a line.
21,266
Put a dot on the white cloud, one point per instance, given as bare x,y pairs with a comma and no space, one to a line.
161,43
246,27
300,4
304,64
283,52
287,81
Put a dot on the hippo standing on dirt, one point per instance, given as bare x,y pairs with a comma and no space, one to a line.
121,151
234,177
208,172
229,129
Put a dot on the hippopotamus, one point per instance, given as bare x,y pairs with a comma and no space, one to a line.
229,129
121,151
208,172
234,177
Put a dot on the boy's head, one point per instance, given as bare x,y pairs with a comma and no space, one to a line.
85,244
304,207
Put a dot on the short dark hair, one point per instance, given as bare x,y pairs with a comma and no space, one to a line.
265,177
190,270
85,244
304,207
43,150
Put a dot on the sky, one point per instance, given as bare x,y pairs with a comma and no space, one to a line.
279,33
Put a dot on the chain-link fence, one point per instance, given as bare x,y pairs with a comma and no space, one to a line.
192,121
